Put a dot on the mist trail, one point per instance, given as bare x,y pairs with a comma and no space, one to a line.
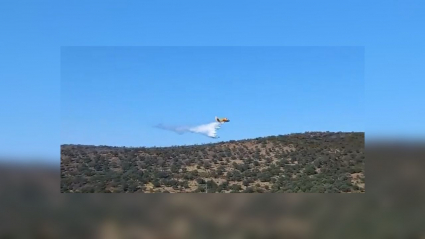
209,130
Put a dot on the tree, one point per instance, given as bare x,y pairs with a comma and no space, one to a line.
310,170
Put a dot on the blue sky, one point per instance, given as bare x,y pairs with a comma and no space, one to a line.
32,34
114,95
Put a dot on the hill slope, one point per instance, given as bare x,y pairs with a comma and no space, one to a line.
309,162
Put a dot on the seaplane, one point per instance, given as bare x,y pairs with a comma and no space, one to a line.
222,120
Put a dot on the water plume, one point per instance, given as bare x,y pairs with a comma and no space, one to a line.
209,129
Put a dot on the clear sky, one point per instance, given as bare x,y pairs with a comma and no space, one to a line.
32,33
114,95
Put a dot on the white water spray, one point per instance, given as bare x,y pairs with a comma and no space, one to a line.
209,130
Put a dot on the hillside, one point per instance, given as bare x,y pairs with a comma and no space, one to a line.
322,162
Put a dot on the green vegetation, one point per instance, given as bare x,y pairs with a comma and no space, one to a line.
321,162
